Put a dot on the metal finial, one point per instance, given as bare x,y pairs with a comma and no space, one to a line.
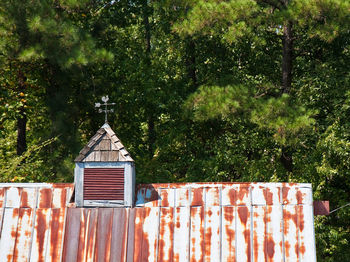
106,110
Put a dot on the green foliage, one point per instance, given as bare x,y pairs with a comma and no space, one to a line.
197,86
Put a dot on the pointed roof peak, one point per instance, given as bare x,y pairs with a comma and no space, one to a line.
105,125
104,146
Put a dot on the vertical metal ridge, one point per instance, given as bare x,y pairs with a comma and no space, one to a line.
251,225
3,209
282,219
204,222
220,217
189,222
33,227
46,241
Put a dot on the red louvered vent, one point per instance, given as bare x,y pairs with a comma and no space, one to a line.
104,184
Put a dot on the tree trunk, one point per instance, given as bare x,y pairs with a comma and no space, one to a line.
191,62
21,119
151,113
147,32
287,58
287,65
287,159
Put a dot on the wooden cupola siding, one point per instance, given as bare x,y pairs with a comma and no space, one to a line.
104,172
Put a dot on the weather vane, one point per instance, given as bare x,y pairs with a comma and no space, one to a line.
106,110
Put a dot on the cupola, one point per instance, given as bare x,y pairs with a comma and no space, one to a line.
104,172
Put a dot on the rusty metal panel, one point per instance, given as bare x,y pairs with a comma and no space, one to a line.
274,233
290,232
28,198
228,197
54,252
84,216
243,233
40,234
289,194
212,196
321,208
59,197
131,235
212,233
197,234
138,234
174,222
13,197
166,234
167,197
306,233
8,234
273,194
150,234
197,197
71,235
258,195
304,196
24,231
259,234
243,196
182,197
2,197
90,234
103,236
228,239
119,235
45,198
104,184
181,234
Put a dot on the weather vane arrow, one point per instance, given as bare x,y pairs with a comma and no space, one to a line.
105,104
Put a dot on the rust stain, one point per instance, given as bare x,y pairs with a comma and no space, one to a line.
302,248
228,215
197,198
269,197
247,240
243,214
285,191
270,247
145,242
161,248
232,196
299,196
24,199
242,192
56,235
138,234
208,235
286,216
63,198
161,244
171,230
41,228
45,198
165,201
18,235
256,244
287,248
301,219
296,247
2,192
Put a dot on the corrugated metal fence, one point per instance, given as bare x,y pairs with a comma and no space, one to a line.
171,222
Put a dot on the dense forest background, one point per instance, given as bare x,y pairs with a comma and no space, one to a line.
239,90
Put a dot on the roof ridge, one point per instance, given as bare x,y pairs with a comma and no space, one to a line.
104,130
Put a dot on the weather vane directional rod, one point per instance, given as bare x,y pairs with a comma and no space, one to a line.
105,104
